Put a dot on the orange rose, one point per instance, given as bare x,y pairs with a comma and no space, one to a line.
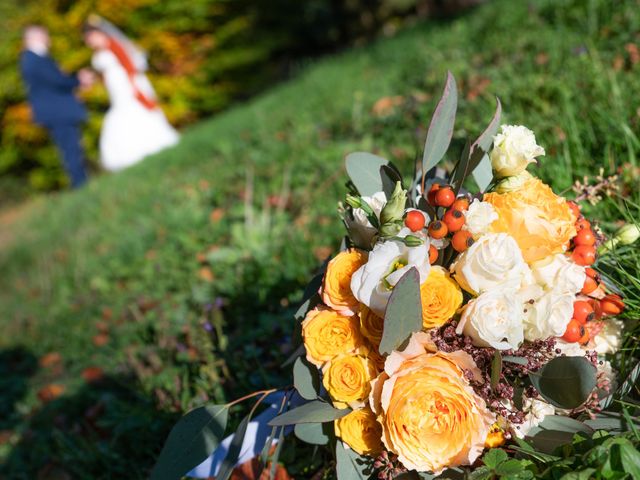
431,417
360,431
336,286
371,325
540,221
327,334
347,379
441,298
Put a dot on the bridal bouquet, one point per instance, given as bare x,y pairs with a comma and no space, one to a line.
452,321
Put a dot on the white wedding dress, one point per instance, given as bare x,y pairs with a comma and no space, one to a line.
130,130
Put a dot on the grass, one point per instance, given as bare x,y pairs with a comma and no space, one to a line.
178,277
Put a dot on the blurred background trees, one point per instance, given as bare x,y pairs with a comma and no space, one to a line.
204,55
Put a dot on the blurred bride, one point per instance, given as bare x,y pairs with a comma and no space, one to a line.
134,125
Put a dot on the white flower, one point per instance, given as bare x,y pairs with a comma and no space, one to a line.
479,217
494,319
514,148
495,260
572,349
360,227
548,316
559,273
373,283
535,410
609,338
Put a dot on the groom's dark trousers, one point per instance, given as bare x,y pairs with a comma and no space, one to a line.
55,107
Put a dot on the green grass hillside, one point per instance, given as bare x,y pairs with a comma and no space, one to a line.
171,284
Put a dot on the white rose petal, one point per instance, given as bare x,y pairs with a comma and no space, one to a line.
548,316
493,261
514,148
479,217
559,273
373,283
608,340
494,319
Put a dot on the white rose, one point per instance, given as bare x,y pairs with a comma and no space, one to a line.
479,217
548,316
495,260
514,148
609,338
572,349
559,273
373,283
535,411
494,319
360,227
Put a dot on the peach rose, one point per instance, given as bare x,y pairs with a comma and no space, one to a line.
327,334
539,220
336,286
347,378
431,417
371,325
441,297
360,431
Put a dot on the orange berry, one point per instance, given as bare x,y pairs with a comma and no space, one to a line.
589,286
461,240
431,196
573,206
445,197
461,204
454,219
574,331
438,229
591,273
433,254
582,224
584,255
585,237
586,336
414,220
611,304
583,311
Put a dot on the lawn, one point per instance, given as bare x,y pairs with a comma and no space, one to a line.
172,284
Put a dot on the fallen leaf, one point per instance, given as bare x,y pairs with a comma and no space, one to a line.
216,215
49,360
100,340
385,105
206,274
50,392
92,374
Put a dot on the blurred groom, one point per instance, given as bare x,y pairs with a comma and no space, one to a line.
54,105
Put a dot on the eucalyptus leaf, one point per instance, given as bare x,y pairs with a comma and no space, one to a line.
276,455
364,171
191,441
306,379
313,433
496,369
462,168
565,382
516,360
404,312
315,411
229,462
389,176
441,126
350,465
625,387
483,173
485,139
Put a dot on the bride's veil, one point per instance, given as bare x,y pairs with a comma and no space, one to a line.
137,55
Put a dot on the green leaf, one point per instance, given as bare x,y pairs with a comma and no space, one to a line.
586,474
313,433
496,369
316,411
517,360
306,379
482,473
191,441
229,462
630,459
390,176
276,455
494,457
565,424
404,312
510,467
441,126
350,465
554,431
462,168
483,173
364,171
485,139
625,387
565,382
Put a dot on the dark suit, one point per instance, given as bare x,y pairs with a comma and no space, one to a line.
55,107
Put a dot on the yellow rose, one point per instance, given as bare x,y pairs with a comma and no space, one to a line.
336,286
361,432
539,220
431,417
371,325
327,334
347,378
441,298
